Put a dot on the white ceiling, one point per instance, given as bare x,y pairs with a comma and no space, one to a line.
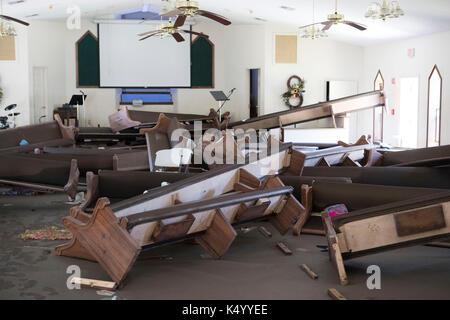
422,17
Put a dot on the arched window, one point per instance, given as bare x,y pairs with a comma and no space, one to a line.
434,108
378,116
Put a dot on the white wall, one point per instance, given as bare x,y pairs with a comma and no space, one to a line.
393,61
14,79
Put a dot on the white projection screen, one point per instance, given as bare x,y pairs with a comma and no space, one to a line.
127,62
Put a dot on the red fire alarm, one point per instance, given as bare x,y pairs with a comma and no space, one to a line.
393,81
393,112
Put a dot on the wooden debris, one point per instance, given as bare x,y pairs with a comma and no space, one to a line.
309,272
336,295
283,247
95,284
265,232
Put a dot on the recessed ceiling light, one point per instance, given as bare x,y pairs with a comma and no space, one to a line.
287,8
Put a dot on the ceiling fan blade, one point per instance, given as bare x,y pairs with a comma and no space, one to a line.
180,21
355,25
214,17
147,33
196,33
151,35
178,37
172,13
14,19
327,26
312,24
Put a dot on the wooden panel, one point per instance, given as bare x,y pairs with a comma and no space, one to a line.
172,231
218,237
288,215
7,48
106,240
246,213
428,219
285,49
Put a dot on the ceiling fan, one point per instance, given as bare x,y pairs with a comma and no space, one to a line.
8,18
337,18
184,9
169,29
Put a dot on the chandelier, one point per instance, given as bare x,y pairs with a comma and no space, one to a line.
313,31
385,10
6,28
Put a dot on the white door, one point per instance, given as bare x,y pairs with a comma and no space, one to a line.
409,111
40,95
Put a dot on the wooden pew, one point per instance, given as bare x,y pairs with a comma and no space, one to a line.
391,226
47,134
121,185
314,112
203,206
41,175
127,119
438,178
323,194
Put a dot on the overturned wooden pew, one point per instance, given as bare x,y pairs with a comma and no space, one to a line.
134,119
438,178
357,155
202,207
424,157
47,175
313,112
96,159
47,134
354,196
387,227
119,185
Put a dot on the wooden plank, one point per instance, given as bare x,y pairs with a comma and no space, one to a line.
297,163
284,248
336,295
307,202
309,272
248,179
95,284
265,232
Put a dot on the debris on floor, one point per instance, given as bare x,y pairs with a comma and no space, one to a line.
49,233
309,272
283,247
265,232
336,295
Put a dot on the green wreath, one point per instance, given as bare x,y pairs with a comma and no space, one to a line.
295,90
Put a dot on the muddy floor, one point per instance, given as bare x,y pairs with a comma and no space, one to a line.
253,268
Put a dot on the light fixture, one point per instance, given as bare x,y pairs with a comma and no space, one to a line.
6,28
313,31
385,10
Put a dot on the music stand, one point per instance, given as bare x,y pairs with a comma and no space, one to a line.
78,100
221,98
